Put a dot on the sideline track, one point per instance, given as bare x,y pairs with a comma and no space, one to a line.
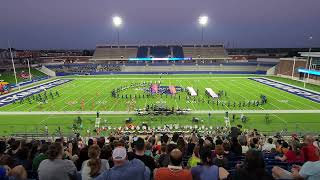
134,112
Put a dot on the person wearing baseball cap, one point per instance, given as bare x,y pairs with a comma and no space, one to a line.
124,169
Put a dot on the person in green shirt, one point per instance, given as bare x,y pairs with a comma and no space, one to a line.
195,158
40,157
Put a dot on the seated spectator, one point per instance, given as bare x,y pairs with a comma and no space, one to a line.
219,159
94,166
208,171
282,147
310,152
195,158
55,167
253,167
124,169
139,147
174,171
268,146
294,154
309,171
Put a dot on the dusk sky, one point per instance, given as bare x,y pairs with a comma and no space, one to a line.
40,24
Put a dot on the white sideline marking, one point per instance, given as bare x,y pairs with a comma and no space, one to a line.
133,112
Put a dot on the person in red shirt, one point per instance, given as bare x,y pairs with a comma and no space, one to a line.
294,154
311,152
174,171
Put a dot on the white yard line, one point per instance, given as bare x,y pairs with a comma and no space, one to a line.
284,121
287,96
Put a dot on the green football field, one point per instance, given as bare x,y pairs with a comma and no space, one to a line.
87,94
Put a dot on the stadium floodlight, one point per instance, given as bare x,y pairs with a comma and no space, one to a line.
203,21
117,22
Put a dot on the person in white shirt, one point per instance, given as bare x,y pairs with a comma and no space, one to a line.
268,146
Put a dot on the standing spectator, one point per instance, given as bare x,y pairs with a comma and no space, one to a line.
139,147
94,166
40,157
83,154
161,152
124,169
227,147
219,159
253,168
106,153
22,158
55,167
236,148
208,171
164,158
14,148
311,152
268,146
195,158
244,145
174,171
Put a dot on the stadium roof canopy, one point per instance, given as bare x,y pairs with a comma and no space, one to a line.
310,54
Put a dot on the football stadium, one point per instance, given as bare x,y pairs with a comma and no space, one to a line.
176,110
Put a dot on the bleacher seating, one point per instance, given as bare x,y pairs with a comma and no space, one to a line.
142,52
177,52
160,51
114,52
208,51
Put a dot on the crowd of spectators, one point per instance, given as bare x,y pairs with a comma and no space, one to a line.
88,68
165,156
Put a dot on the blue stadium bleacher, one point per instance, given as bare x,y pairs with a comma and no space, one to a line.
142,52
177,52
160,51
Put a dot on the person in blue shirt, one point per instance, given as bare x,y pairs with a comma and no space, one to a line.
124,169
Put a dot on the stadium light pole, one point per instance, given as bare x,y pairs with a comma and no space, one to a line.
117,22
304,82
14,68
203,21
30,75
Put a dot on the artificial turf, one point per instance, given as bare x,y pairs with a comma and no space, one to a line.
94,92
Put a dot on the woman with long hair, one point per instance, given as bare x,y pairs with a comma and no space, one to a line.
252,168
207,170
94,166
